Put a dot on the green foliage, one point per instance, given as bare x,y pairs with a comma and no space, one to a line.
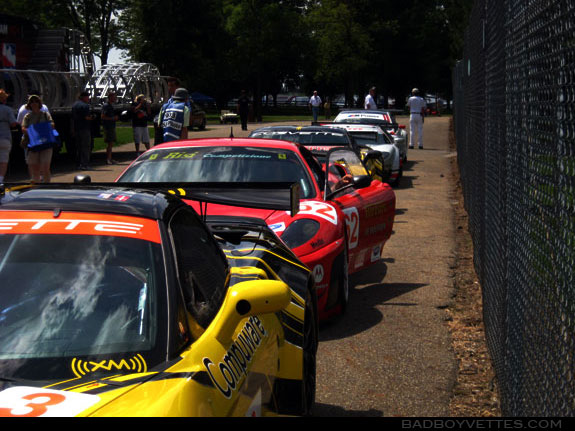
222,46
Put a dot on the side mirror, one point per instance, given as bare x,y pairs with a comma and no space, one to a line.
249,298
362,181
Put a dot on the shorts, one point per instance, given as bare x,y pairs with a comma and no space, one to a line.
109,135
5,148
141,135
43,157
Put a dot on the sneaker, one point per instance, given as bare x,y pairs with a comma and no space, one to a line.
111,162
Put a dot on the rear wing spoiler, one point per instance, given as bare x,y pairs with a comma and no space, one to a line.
281,196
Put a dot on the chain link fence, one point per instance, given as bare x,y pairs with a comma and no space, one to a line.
514,121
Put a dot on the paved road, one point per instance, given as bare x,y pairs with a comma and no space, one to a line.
390,355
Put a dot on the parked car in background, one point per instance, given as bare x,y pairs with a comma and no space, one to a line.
229,117
197,117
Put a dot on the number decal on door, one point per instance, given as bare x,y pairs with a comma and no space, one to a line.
352,224
319,209
35,402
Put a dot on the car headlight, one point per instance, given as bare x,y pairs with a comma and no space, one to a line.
300,232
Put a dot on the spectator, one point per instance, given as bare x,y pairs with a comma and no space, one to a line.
141,111
369,102
315,104
24,110
109,119
244,109
417,107
38,153
174,116
82,120
7,120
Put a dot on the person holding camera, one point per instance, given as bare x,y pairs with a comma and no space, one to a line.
82,122
141,112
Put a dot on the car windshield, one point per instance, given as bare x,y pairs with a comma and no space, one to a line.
220,164
368,138
79,299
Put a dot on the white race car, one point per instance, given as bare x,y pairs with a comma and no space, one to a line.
384,119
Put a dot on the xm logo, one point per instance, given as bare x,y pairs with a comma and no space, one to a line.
135,364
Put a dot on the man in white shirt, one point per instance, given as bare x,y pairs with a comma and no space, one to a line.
314,104
417,107
369,102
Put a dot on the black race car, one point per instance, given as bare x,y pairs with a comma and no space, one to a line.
120,300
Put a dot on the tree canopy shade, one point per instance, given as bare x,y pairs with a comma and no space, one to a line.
219,47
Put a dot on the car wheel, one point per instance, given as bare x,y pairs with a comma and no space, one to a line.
297,397
398,179
338,295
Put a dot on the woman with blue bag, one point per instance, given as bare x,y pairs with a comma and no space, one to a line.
38,140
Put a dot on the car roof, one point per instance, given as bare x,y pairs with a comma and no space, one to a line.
88,199
352,127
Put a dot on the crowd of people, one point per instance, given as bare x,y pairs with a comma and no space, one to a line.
40,138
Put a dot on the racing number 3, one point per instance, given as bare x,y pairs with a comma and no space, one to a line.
39,404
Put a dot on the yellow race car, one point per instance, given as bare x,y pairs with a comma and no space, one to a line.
123,301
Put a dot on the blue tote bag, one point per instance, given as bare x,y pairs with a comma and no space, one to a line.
42,136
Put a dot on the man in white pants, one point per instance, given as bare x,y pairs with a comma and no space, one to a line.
417,107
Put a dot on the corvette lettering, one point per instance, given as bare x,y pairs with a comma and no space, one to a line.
88,224
228,373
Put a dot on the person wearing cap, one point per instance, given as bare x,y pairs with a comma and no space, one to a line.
174,116
369,102
7,120
82,122
109,119
24,110
416,105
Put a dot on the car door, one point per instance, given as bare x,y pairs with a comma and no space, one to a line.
368,205
242,368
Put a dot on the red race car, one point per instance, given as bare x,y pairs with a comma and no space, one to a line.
344,218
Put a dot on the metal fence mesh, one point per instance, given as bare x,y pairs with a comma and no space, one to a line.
514,120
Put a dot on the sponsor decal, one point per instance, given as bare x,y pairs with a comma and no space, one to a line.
278,227
236,156
136,364
82,224
360,259
24,401
232,369
318,273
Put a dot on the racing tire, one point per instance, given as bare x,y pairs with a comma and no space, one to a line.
297,397
338,295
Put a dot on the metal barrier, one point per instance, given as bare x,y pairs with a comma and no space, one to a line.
514,121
